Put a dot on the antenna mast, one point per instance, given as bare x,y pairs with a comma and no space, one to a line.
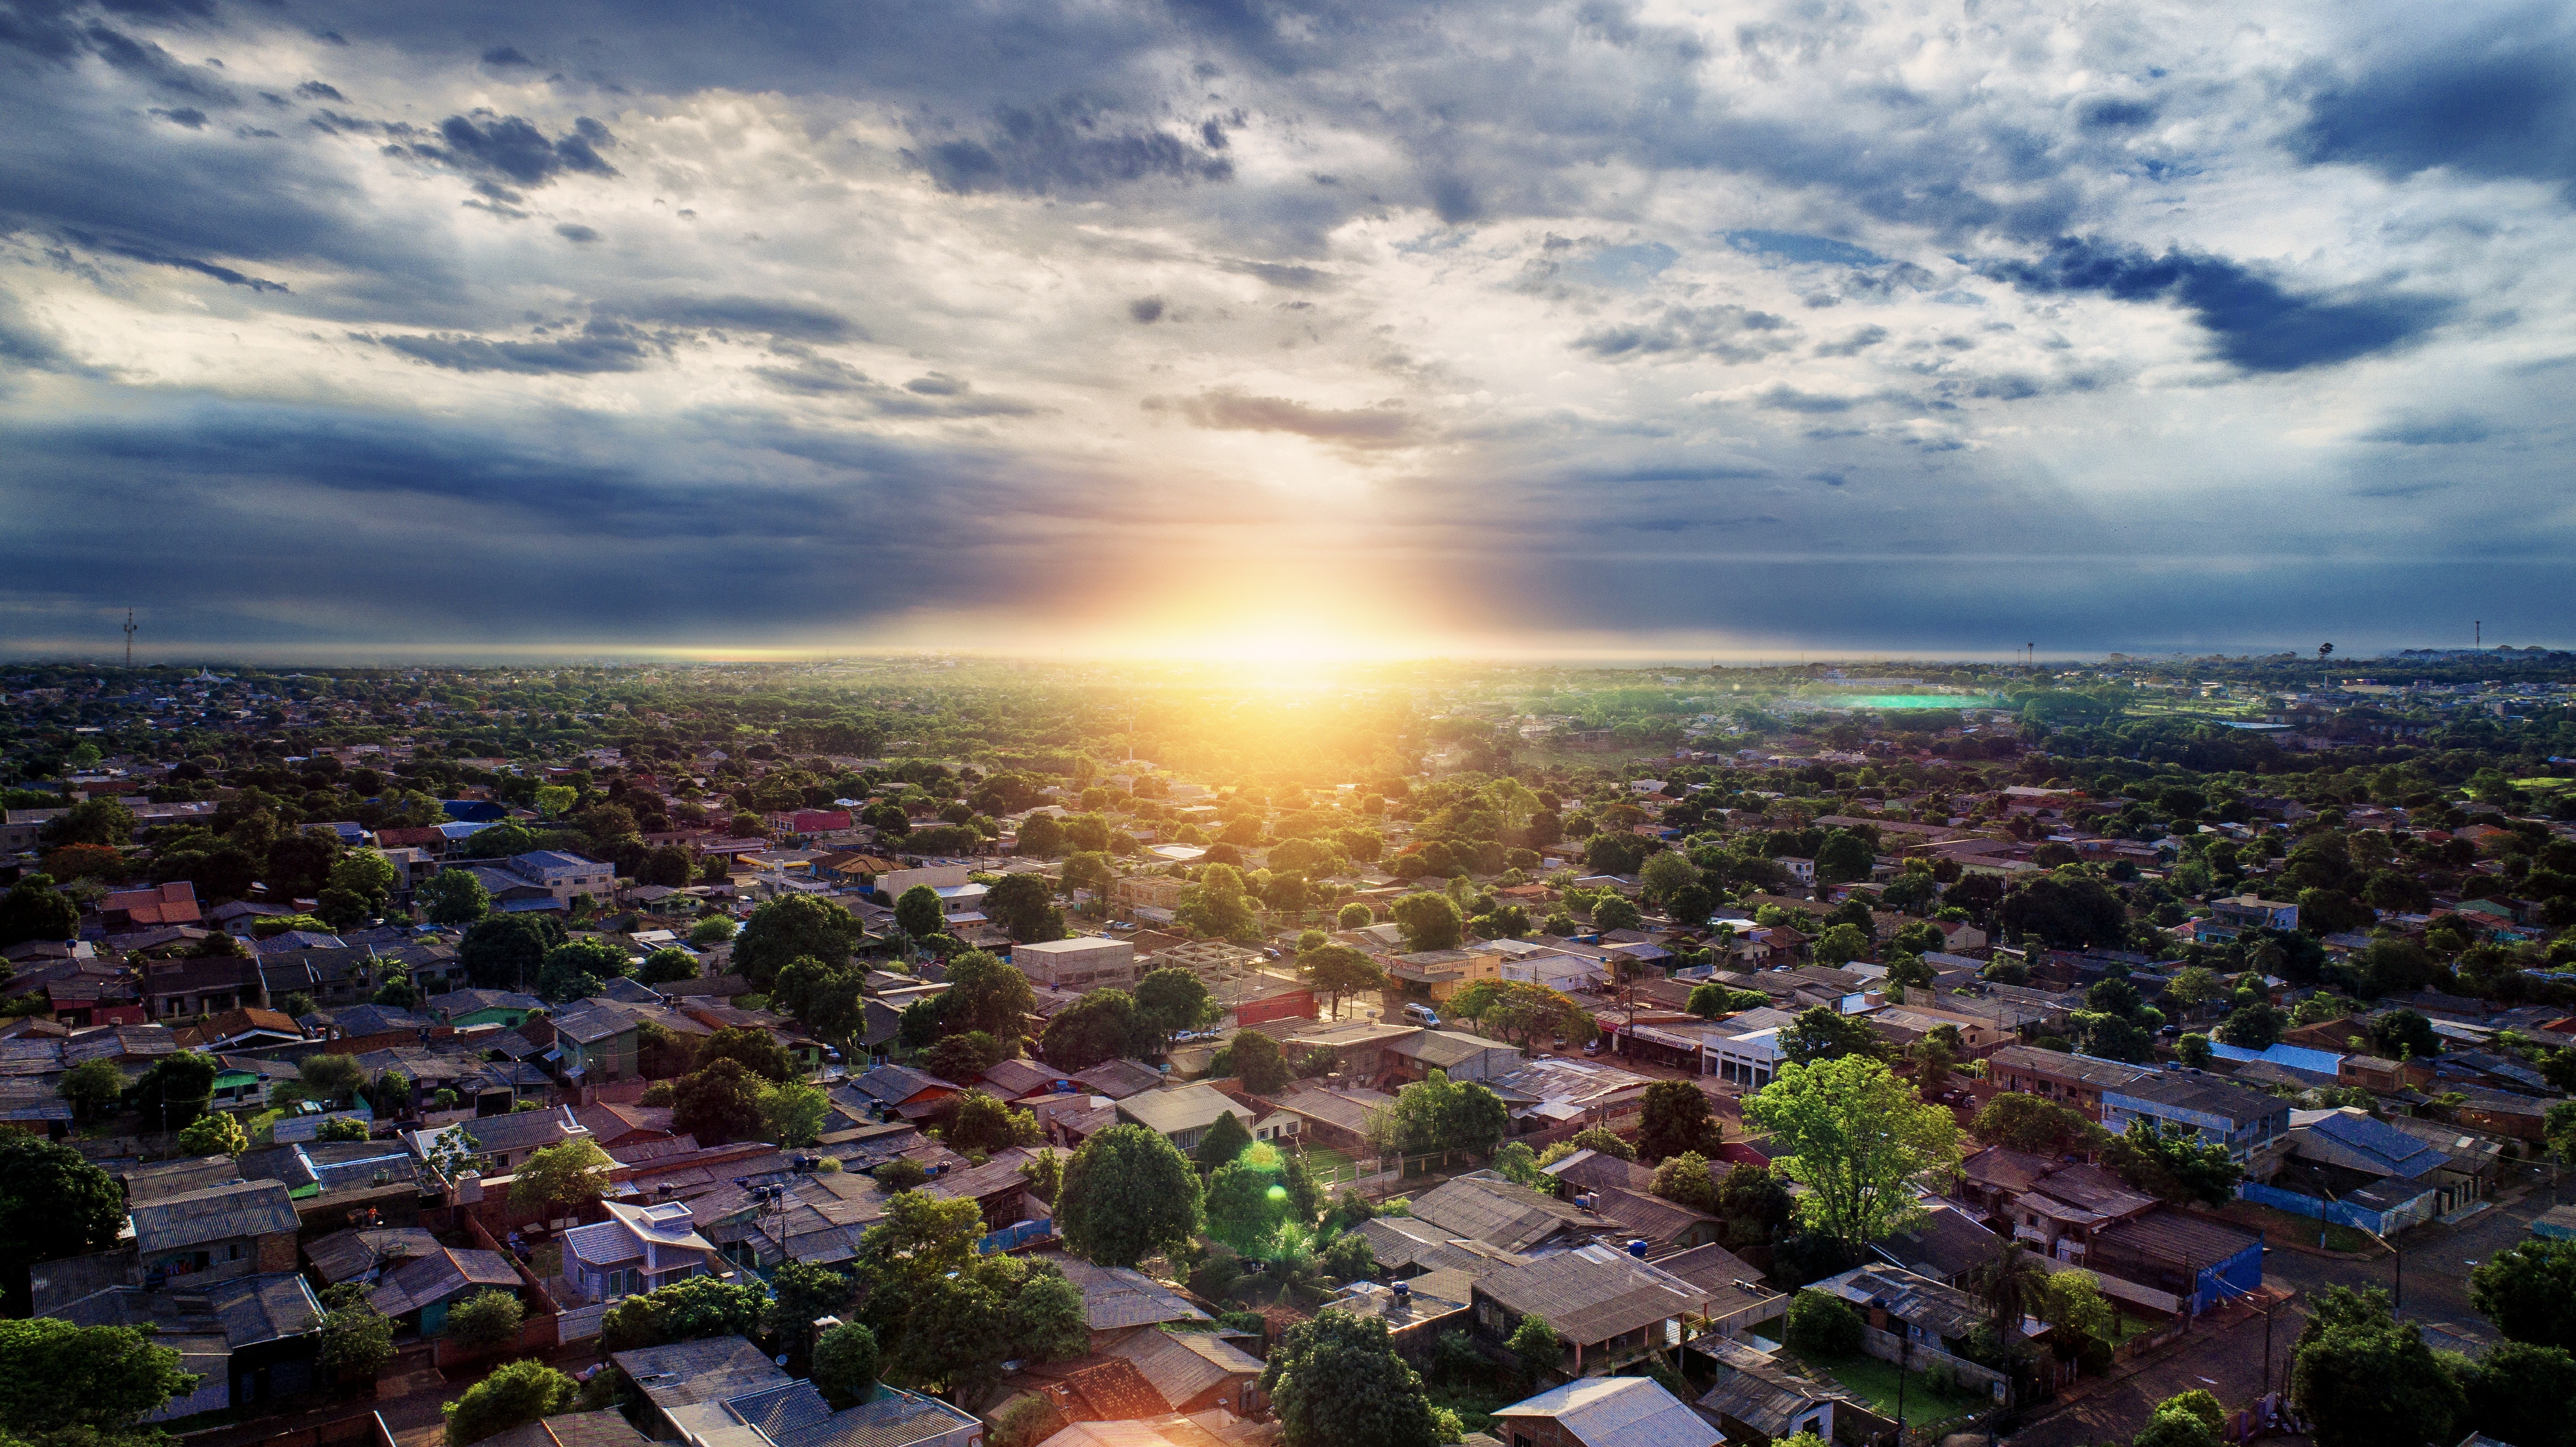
129,638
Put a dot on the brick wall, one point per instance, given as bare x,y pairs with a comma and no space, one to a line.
277,1252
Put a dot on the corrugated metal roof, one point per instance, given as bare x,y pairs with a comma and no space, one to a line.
1619,1412
192,1218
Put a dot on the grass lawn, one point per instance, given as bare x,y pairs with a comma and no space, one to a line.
1475,1406
2132,1326
1874,1382
258,1127
1323,1163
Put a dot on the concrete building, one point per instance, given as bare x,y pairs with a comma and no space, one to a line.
1085,962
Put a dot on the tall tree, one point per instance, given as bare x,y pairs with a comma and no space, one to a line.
988,995
2529,1291
720,1103
919,914
1336,1381
1127,1195
791,927
1024,905
1103,1025
1676,1118
2367,1380
505,951
1429,921
1339,970
519,1392
1823,1033
74,1384
1173,1000
1255,1060
758,1050
1857,1136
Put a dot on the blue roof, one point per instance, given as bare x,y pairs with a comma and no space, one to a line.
466,829
2406,1157
2320,1062
555,859
480,810
528,906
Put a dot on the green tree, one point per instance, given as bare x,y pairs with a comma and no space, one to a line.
505,951
2026,1122
34,910
2193,1050
1429,921
986,994
984,1124
1355,916
719,1103
1127,1195
67,1384
357,1339
577,969
1843,857
1438,1114
1248,1202
1857,1137
1823,1324
918,913
2519,1392
1217,907
180,1086
1603,1140
1684,1179
1676,1118
960,1058
1842,944
1103,1025
1616,912
698,1307
1339,971
1173,1000
214,1135
755,1049
2367,1380
519,1392
2173,1163
715,929
1024,905
1515,1162
1534,1343
485,1320
1254,1059
1336,1381
667,966
91,1086
1823,1033
2168,1426
561,1179
1225,1140
791,928
2529,1291
365,873
846,1362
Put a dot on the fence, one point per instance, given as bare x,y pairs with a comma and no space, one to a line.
2341,1213
1013,1237
1888,1347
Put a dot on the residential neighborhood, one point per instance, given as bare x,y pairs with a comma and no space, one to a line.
662,1060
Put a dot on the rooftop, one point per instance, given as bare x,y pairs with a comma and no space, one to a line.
1593,1293
1619,1412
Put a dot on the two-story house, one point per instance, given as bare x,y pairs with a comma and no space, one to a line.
240,1228
636,1250
2253,1126
2074,1081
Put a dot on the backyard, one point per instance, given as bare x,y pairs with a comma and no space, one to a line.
1875,1382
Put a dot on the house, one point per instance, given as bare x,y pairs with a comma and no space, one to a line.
1118,1299
1756,1401
1737,1298
1082,963
2074,1081
1119,1079
241,1228
503,1141
1337,1119
595,1041
1182,1114
2253,1126
1455,1053
1193,1371
612,1125
1931,1317
1012,1079
419,1292
636,1250
362,1254
242,1029
1946,1244
1485,1207
2474,1160
902,1090
606,1428
506,1008
1435,975
167,904
724,1392
1607,1306
1604,1412
565,876
2052,1206
251,1339
2247,911
176,989
2189,1262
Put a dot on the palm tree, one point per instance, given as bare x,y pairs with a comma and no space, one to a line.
2012,1284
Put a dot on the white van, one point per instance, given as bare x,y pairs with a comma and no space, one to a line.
1422,1015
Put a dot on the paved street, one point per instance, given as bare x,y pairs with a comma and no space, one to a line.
2221,1356
2437,1262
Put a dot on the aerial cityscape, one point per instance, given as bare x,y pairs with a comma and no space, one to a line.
1246,723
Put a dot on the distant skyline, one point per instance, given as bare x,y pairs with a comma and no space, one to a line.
1231,328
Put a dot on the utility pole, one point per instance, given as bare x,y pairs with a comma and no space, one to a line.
129,638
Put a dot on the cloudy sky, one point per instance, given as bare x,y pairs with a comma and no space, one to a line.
1229,325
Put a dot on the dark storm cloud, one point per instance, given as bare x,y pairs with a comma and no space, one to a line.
794,320
2254,321
224,274
1229,411
1070,148
1722,333
512,149
601,346
2499,103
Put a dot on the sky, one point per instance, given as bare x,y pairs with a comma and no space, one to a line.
1243,329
